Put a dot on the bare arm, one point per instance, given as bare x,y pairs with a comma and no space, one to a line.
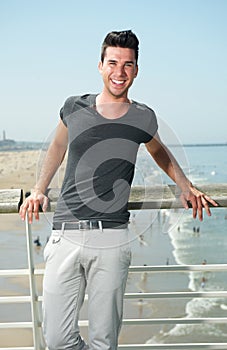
52,161
166,161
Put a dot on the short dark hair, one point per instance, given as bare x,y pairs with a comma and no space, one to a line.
124,38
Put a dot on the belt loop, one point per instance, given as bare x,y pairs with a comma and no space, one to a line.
100,225
62,228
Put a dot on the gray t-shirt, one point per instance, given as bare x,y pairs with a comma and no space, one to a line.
101,160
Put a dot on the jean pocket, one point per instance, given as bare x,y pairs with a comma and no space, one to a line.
126,254
51,246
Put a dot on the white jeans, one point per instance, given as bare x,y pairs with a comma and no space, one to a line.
94,259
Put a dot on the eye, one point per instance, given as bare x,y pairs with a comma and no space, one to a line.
129,64
112,63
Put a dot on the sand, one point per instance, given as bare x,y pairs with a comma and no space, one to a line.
18,169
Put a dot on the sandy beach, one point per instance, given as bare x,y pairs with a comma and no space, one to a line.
18,170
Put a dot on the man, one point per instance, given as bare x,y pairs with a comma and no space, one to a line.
89,247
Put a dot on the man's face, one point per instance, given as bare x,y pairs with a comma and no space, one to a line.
118,71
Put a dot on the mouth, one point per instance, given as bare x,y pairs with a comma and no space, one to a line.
117,82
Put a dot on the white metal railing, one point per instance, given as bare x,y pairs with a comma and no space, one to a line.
34,299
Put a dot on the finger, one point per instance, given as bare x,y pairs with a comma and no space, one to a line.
200,208
194,207
30,212
184,202
210,200
23,210
45,204
206,206
36,209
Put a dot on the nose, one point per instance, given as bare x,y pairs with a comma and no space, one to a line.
120,71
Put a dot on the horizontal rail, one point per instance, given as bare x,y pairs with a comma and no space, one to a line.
157,197
219,294
133,269
195,346
178,268
15,299
168,295
15,272
19,348
136,321
10,200
152,321
16,325
160,295
149,197
183,320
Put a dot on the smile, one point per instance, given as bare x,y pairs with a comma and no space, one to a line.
118,82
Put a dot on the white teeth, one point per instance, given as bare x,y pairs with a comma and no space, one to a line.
119,82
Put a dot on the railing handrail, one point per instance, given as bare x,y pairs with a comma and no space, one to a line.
149,197
158,196
10,200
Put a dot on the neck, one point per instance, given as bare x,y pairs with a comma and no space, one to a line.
111,108
106,98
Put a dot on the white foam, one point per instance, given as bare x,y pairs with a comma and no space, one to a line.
197,307
196,329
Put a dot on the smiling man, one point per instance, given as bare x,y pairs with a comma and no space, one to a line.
118,68
90,243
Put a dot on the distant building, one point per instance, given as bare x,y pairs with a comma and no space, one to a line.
7,143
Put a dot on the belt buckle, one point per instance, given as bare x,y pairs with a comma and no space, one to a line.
84,225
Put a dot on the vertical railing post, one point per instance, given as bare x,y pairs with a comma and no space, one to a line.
35,311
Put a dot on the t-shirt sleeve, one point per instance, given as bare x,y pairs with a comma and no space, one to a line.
67,109
61,113
146,120
152,126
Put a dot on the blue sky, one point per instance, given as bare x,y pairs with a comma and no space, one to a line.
50,50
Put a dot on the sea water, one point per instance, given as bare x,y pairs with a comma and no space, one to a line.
196,242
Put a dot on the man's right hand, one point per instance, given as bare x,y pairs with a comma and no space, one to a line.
31,205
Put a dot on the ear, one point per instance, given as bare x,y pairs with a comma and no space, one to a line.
100,67
136,71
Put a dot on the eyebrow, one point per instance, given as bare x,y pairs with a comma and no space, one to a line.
126,62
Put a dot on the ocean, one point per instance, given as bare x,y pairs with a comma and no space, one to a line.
159,238
196,242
